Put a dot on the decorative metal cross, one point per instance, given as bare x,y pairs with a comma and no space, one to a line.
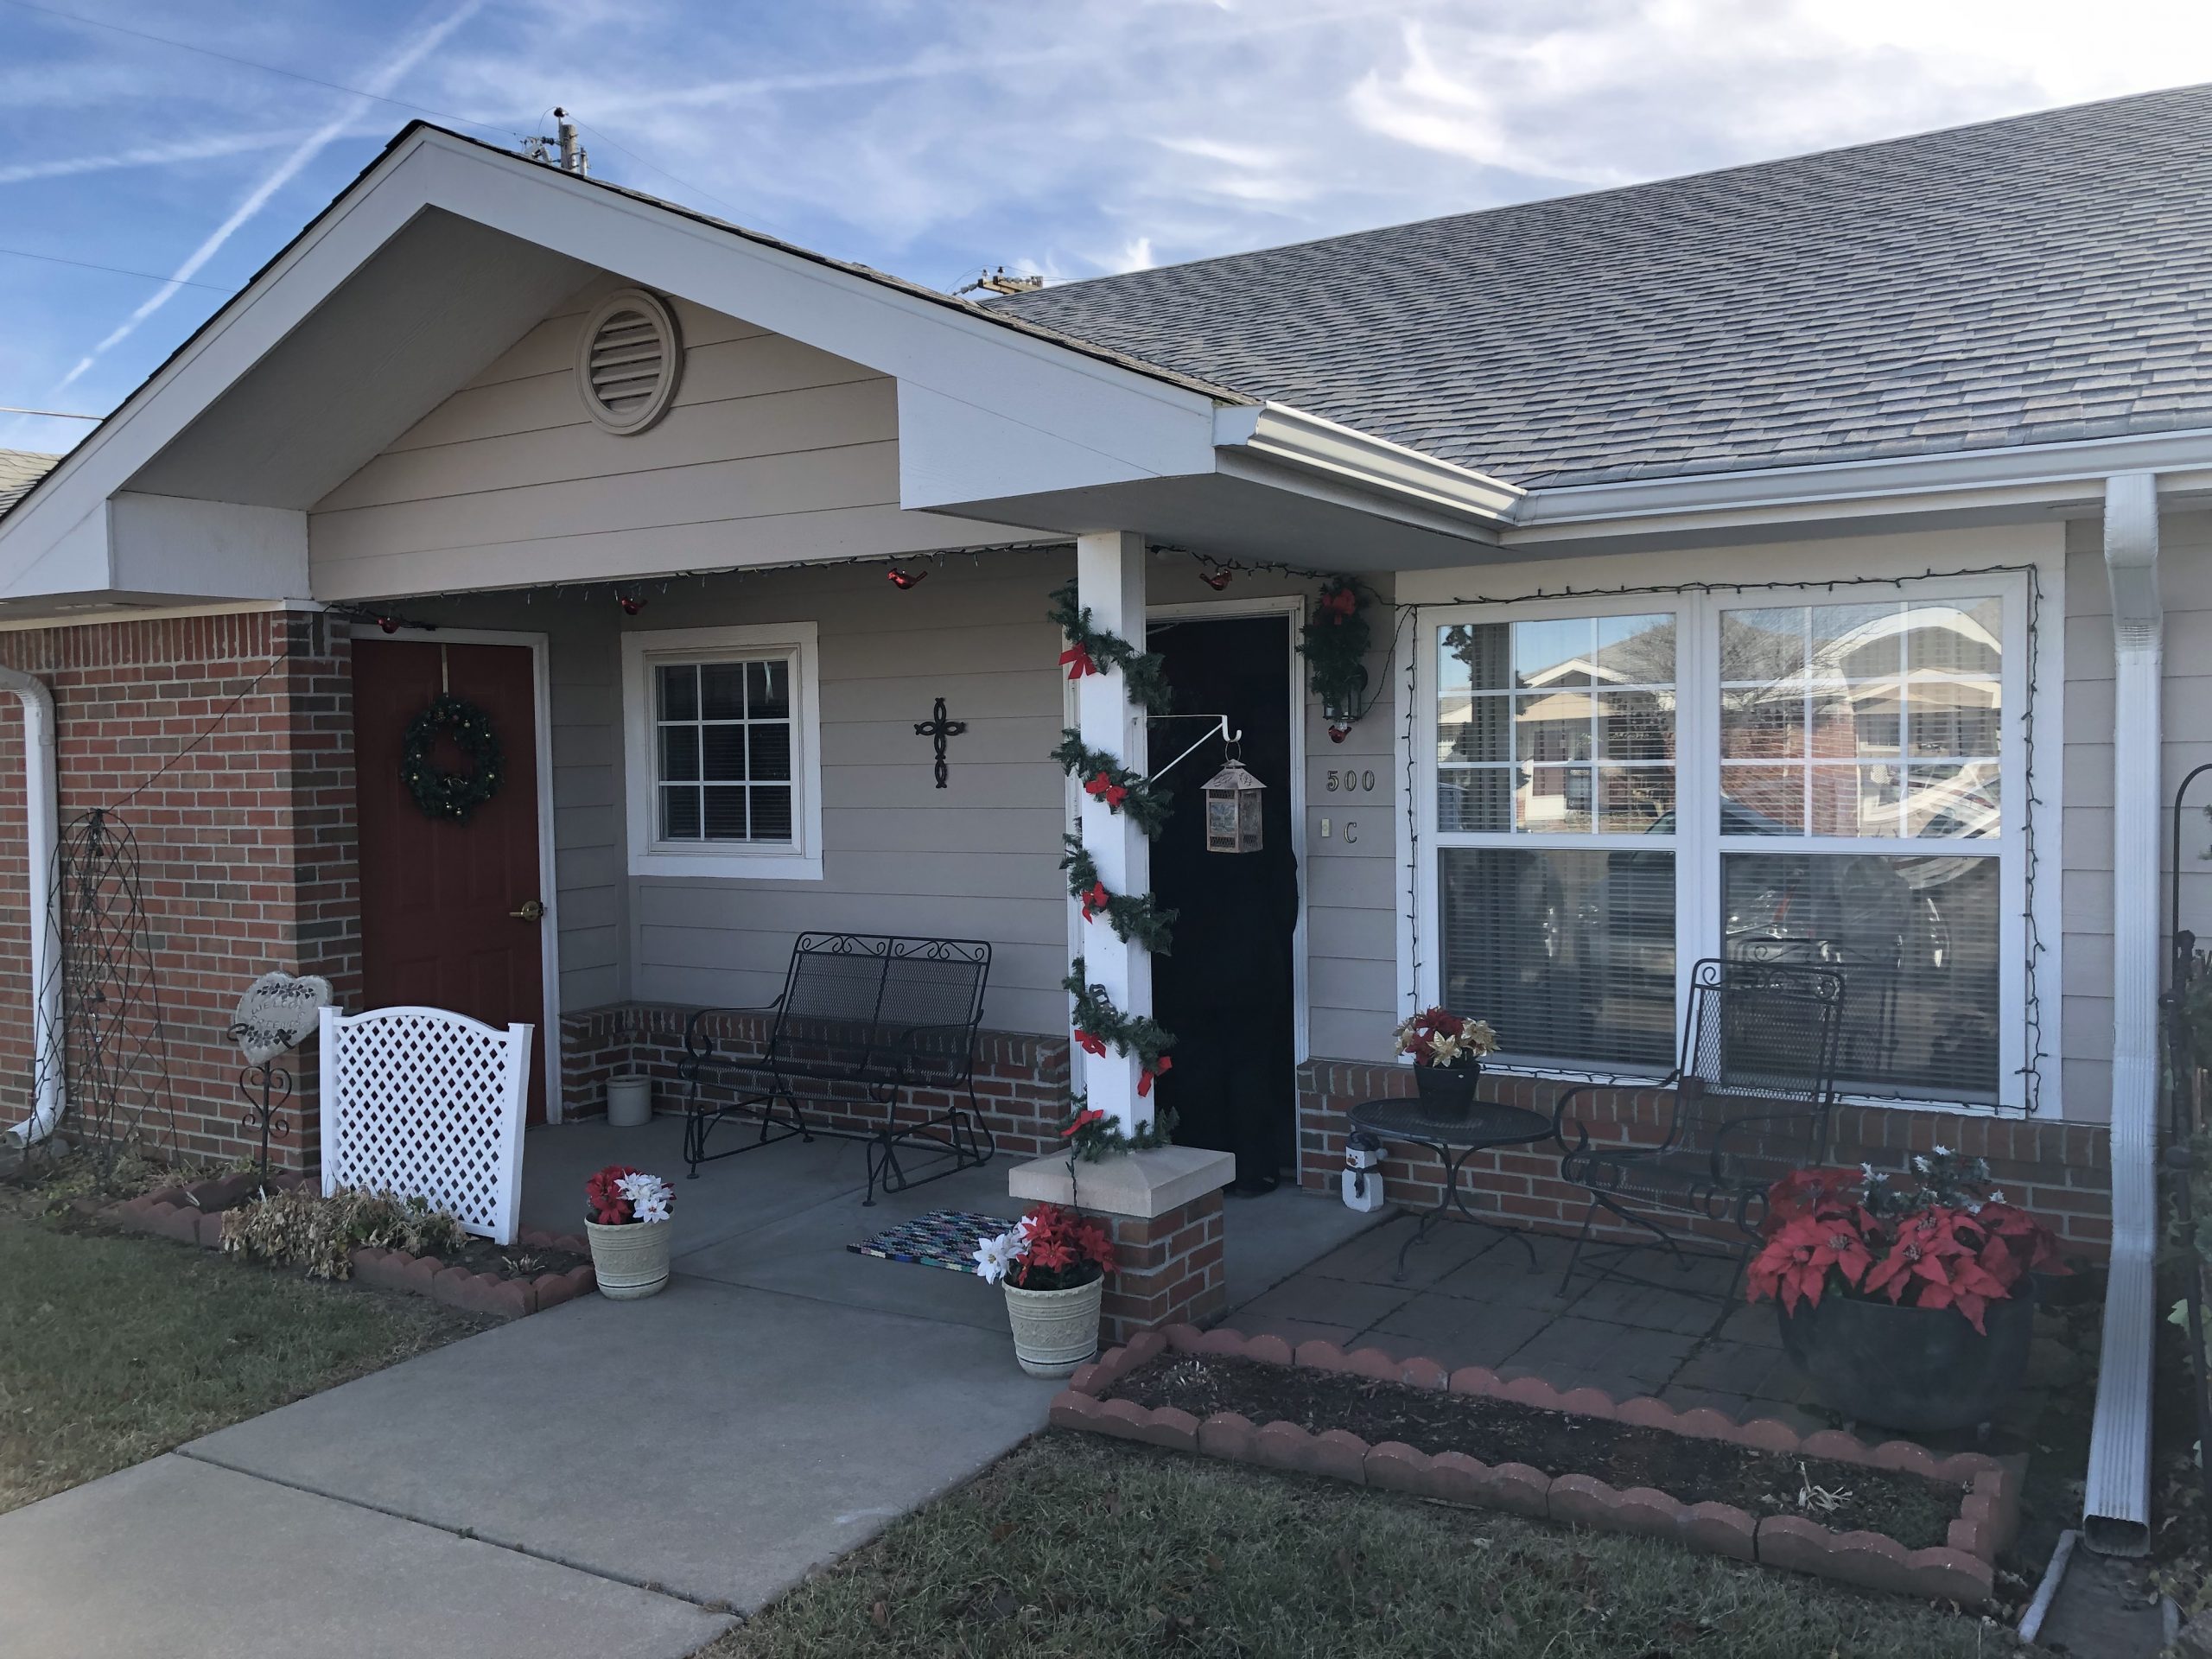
938,728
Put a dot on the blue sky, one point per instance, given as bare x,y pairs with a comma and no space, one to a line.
930,138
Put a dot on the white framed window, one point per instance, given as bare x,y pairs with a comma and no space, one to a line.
723,751
1615,789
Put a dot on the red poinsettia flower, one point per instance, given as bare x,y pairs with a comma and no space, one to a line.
1798,1257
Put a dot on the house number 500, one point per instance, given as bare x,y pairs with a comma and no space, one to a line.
1349,781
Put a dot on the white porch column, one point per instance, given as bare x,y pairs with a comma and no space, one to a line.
1110,579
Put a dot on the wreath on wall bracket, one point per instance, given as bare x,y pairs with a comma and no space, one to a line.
443,794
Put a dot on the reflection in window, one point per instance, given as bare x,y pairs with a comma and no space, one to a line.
1562,726
1917,938
1879,720
1570,953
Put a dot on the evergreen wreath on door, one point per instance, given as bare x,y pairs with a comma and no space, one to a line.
453,795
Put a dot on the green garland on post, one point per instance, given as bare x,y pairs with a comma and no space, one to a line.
443,794
1091,1135
1100,1026
1134,916
1333,643
1104,778
1093,651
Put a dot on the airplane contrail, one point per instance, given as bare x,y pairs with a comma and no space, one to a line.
283,173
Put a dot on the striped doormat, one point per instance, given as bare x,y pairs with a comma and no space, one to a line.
943,1238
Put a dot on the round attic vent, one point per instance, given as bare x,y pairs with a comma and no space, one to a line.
628,361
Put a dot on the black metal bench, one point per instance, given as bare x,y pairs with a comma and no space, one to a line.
1750,1103
864,1020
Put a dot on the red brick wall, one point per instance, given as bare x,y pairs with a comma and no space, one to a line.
1169,1270
1022,1081
2060,1171
245,840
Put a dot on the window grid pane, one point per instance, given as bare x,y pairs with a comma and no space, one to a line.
1883,719
724,750
1563,727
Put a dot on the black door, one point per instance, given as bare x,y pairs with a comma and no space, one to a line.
1226,990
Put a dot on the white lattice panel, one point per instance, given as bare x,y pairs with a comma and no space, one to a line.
425,1104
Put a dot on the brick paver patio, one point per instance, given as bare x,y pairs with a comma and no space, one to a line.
1469,1298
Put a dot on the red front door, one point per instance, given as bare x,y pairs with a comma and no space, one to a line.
439,899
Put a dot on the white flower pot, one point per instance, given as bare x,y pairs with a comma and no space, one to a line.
629,1103
630,1259
1054,1330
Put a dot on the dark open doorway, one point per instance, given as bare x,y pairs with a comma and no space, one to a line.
1227,991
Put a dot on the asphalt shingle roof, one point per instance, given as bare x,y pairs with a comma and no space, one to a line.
19,470
2040,279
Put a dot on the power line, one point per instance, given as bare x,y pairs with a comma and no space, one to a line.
86,265
249,63
50,413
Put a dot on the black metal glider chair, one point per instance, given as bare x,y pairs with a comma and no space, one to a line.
865,1021
1750,1103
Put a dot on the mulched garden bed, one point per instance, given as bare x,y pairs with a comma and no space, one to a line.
1914,1509
1894,1517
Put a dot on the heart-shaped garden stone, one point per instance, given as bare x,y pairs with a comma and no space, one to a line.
276,1013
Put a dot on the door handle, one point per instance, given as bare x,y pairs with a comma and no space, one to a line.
532,910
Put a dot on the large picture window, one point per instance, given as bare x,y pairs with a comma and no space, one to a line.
1615,796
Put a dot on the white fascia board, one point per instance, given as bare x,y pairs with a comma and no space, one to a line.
2027,475
1099,422
1306,443
177,544
44,547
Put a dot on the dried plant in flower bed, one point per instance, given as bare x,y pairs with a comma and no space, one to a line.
1912,1508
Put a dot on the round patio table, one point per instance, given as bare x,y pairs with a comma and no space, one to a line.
1454,1135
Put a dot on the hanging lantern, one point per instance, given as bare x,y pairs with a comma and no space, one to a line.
1233,809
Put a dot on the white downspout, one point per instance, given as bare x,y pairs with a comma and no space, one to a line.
2116,1511
41,820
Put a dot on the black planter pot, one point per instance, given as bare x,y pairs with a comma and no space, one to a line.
1920,1369
1446,1091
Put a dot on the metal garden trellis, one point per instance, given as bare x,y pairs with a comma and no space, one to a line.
114,1046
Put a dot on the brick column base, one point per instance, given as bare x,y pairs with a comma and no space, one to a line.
1164,1207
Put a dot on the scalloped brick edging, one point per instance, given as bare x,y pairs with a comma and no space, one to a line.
1962,1569
173,1213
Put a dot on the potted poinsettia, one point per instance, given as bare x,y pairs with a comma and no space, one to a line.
1447,1051
1908,1303
627,1218
1053,1266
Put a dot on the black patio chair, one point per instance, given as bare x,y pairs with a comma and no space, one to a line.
1750,1103
864,1020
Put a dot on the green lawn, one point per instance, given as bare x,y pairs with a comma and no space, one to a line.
1075,1546
114,1349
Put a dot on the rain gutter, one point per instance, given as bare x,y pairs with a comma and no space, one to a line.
2116,1510
41,820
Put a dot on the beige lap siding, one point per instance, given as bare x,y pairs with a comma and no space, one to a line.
2059,1171
246,844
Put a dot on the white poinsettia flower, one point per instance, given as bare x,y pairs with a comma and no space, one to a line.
993,1257
1942,1152
1998,1195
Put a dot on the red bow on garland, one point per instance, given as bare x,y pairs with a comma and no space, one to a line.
1093,902
1340,606
1165,1065
1083,1121
1088,1044
1103,788
1077,661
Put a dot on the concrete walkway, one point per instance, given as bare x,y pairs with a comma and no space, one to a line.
604,1479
